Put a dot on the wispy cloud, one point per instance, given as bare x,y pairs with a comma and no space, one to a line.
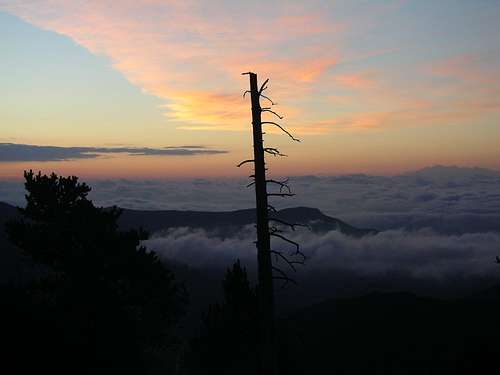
12,152
190,54
186,45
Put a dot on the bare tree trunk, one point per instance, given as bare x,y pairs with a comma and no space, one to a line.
265,287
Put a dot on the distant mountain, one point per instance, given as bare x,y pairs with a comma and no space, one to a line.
452,172
228,221
154,221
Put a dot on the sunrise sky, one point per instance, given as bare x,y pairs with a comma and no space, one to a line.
376,87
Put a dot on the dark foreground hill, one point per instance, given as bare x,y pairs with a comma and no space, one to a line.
13,266
398,333
379,333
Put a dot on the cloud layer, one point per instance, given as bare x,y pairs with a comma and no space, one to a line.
440,228
450,200
422,261
420,254
11,152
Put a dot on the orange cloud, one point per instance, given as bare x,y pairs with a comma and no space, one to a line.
191,56
421,114
173,50
208,109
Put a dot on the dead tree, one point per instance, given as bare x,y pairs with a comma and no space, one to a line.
267,272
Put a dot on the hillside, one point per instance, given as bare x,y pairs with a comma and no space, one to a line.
399,333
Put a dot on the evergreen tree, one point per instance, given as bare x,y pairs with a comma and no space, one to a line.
103,298
227,343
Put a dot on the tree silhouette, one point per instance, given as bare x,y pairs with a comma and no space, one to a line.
267,271
106,298
227,342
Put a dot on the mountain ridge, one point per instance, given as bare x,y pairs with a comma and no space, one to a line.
452,171
157,220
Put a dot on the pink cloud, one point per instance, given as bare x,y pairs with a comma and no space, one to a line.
191,56
173,50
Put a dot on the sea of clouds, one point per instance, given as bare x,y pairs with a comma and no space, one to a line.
450,200
421,262
440,224
418,254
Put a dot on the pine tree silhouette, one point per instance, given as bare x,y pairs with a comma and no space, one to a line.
227,343
105,299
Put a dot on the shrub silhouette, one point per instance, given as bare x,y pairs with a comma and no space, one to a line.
104,301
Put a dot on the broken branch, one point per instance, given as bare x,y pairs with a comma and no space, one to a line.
265,97
271,111
291,225
282,128
297,247
245,161
280,194
263,87
282,184
274,151
283,276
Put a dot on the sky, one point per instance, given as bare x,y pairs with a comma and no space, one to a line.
147,89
